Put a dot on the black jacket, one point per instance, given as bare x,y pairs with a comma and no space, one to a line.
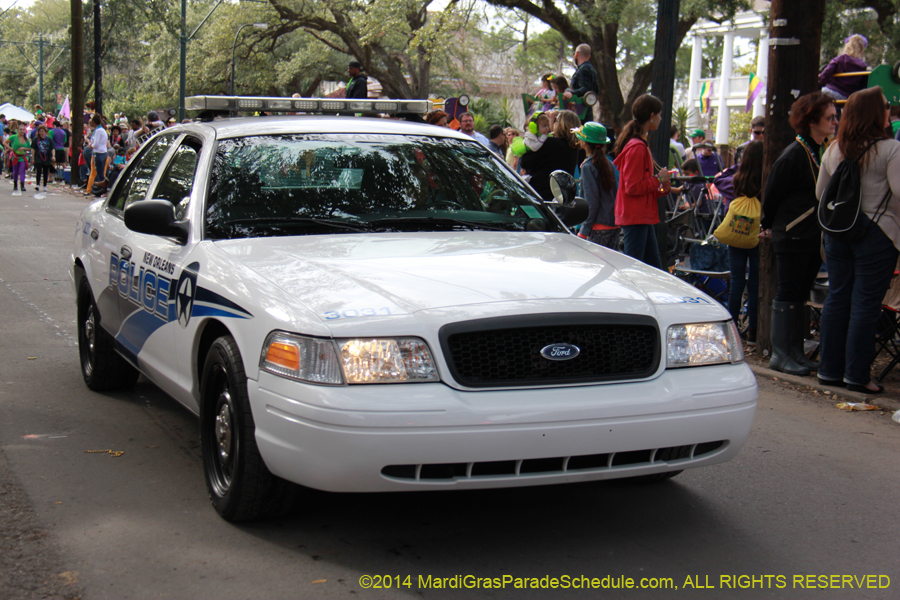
585,80
791,193
358,88
556,153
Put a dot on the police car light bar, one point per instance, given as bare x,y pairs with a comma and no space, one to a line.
309,105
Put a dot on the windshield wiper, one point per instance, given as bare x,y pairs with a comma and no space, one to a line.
276,221
428,223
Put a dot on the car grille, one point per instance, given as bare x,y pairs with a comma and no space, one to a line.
506,351
550,466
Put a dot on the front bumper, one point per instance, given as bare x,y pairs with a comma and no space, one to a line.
342,438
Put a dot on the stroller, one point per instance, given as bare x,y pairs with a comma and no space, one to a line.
692,219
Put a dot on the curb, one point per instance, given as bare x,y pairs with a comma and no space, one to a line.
889,399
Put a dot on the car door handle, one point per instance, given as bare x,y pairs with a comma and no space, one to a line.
125,252
94,234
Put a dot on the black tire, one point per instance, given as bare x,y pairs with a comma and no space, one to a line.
102,367
664,454
240,486
655,478
895,72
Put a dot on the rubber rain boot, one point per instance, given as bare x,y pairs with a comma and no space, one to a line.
781,334
798,351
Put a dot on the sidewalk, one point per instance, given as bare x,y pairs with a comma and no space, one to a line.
889,399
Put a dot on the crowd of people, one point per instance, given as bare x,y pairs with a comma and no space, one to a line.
43,145
622,184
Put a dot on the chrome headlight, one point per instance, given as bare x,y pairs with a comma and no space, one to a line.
379,360
698,344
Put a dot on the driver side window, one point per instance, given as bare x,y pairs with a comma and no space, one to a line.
141,174
176,183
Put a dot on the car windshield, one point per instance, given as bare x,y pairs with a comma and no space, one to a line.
271,185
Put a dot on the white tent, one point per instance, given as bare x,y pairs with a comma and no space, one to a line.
14,112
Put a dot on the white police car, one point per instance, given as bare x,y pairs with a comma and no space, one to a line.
368,305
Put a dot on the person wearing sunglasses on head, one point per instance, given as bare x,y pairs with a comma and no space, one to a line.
789,216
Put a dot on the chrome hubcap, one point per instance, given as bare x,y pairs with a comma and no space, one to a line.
89,332
224,428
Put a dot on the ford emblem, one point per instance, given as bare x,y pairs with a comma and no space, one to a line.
560,351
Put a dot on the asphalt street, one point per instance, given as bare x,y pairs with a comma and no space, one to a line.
811,500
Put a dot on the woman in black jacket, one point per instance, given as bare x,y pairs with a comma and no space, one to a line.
789,215
560,151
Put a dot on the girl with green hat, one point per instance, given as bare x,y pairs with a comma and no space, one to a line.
599,181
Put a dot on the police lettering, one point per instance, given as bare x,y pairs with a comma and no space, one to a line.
145,288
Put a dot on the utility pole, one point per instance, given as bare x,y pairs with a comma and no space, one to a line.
663,87
183,60
98,69
39,69
77,103
795,37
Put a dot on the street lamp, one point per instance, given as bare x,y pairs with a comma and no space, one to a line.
234,45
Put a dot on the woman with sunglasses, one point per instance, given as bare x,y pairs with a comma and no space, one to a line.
859,274
789,216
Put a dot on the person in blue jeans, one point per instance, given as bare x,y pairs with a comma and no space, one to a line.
639,183
747,183
859,273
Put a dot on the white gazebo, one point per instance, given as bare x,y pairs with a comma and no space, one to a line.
728,92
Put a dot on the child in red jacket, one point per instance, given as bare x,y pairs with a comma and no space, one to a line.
636,207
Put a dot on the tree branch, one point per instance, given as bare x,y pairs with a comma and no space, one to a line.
325,41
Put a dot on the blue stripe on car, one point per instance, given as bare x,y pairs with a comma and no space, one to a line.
141,324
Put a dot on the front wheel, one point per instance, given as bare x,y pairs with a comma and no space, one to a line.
240,485
102,368
664,454
655,478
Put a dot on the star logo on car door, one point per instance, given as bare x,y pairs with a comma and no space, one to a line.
184,293
184,301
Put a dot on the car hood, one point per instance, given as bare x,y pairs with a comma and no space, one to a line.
339,276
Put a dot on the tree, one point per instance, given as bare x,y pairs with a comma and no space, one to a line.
877,20
19,56
393,39
535,52
599,23
792,73
77,86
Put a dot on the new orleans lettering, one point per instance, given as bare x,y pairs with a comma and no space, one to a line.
158,263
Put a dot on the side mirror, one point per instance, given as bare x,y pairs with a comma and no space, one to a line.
570,209
573,212
562,186
156,217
